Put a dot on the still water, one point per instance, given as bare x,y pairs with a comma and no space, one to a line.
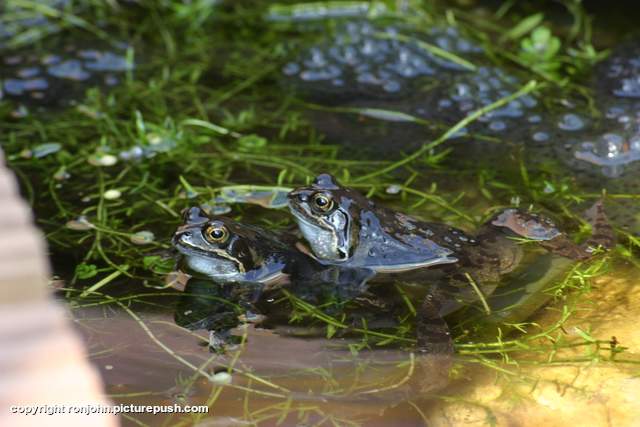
118,116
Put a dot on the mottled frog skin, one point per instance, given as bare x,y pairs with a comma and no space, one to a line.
342,227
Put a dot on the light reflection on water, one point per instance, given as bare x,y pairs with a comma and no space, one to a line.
320,377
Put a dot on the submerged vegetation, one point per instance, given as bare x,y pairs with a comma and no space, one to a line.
200,108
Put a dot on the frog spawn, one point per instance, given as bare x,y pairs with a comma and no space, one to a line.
40,78
375,61
370,58
36,79
485,86
618,145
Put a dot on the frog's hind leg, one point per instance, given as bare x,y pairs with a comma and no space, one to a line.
602,236
432,332
542,230
435,347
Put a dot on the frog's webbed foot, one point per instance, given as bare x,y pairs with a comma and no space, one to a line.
543,230
432,332
217,342
221,340
602,236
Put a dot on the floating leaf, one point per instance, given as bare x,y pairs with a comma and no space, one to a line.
221,378
79,224
142,238
43,150
387,115
325,10
216,209
102,159
112,194
265,196
393,189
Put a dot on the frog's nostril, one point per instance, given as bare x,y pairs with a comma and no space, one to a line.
303,197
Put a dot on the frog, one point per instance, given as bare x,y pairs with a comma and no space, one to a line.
343,227
226,251
228,259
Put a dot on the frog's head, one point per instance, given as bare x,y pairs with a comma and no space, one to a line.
328,216
225,250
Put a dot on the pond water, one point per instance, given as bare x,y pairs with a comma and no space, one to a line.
118,115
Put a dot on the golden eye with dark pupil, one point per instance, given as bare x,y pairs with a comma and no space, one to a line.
216,234
322,202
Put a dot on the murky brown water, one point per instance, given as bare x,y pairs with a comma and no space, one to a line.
285,380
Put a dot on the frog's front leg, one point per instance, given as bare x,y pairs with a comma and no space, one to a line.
543,230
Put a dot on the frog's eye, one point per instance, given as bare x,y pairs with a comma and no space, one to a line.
216,233
322,202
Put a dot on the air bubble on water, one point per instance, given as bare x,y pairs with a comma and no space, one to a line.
291,68
392,86
18,86
614,111
70,69
540,136
445,103
81,223
497,126
111,80
50,59
27,73
107,61
571,122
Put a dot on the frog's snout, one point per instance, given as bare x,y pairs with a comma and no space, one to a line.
183,232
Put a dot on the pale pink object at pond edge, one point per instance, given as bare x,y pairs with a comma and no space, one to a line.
42,359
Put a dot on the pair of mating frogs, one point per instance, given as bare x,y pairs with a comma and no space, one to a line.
349,241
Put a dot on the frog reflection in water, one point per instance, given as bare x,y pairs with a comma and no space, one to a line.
251,265
342,227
